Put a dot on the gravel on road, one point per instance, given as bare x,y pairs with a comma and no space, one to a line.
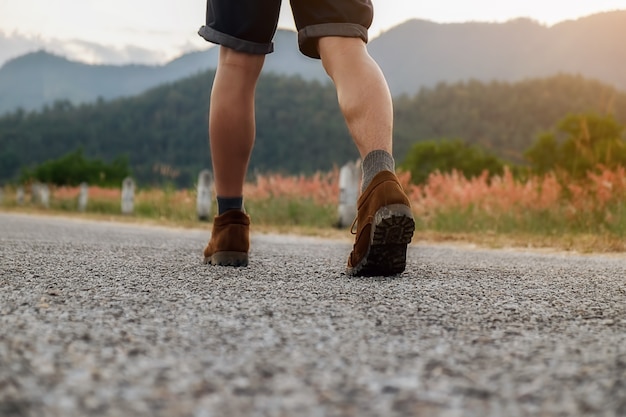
110,319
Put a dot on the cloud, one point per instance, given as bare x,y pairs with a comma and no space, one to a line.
12,46
15,44
94,53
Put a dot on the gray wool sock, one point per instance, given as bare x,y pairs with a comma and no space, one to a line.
373,163
229,203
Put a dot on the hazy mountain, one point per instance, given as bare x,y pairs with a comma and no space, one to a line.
285,60
35,79
420,53
40,77
413,55
15,44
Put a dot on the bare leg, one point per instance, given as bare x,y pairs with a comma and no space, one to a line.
232,120
362,92
384,221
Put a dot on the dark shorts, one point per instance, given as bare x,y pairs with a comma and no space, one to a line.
249,25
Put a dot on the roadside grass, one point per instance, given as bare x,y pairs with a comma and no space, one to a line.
540,213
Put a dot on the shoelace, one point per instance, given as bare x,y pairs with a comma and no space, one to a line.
352,230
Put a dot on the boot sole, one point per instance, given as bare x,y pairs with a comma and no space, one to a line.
392,230
227,258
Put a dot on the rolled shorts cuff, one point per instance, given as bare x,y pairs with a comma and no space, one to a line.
240,45
308,36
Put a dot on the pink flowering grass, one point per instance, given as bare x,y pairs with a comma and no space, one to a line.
541,204
550,205
321,188
166,204
100,200
282,200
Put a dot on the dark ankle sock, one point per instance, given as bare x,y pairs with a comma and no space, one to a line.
228,203
373,163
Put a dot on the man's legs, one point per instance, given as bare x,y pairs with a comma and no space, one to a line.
362,92
244,30
364,100
231,135
385,223
231,119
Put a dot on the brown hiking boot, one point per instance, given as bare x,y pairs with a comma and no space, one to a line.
230,240
385,226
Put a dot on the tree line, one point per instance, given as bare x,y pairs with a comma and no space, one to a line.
162,134
578,144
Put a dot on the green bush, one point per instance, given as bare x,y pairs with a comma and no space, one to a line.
580,143
73,169
446,155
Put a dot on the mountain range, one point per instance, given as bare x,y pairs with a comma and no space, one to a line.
413,55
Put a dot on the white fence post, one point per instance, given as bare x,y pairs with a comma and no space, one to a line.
34,193
43,195
205,196
19,196
128,195
349,189
83,197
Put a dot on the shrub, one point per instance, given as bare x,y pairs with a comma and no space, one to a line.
446,156
73,168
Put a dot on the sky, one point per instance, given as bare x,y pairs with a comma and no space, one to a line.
156,31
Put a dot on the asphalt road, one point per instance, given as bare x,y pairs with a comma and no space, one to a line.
105,319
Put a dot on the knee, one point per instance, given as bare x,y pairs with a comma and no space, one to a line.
337,52
244,63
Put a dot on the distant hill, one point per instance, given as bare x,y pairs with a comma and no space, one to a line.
299,126
413,55
420,53
39,78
